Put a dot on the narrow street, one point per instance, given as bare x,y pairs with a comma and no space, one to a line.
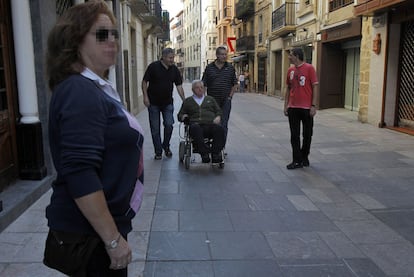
351,213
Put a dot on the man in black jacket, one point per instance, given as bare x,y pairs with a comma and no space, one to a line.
157,87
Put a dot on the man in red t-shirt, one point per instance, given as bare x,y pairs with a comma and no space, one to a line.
300,101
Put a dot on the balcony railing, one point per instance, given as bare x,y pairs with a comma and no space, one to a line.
154,15
245,43
244,9
337,4
139,6
284,16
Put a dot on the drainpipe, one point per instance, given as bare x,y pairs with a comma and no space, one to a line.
382,123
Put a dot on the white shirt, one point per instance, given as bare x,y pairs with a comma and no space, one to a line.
199,101
105,85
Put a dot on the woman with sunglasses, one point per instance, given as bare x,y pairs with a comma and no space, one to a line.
96,147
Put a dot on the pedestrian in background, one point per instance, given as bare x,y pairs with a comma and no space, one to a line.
300,106
241,82
157,87
96,146
221,82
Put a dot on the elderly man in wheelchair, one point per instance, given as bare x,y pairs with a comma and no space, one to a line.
202,115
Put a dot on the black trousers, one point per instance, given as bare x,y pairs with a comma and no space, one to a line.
214,131
98,265
296,117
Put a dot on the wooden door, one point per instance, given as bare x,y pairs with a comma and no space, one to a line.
8,150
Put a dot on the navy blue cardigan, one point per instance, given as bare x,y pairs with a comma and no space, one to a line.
95,145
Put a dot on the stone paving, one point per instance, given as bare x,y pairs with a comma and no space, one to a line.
351,213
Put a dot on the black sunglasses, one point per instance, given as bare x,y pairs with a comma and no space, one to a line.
103,34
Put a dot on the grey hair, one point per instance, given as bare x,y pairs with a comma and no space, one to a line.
167,51
195,82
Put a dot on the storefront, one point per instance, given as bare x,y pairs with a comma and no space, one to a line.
338,65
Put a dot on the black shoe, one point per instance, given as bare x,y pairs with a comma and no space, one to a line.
158,157
305,162
205,158
168,152
216,158
294,165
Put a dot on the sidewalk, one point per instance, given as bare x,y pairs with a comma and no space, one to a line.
351,213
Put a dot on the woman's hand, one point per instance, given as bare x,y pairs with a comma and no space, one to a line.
217,120
121,255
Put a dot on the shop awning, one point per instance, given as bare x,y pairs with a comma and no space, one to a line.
239,58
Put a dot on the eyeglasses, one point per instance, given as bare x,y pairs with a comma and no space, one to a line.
102,35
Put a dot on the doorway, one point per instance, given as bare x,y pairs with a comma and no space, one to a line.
352,79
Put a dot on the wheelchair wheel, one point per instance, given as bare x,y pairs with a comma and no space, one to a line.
187,154
181,151
187,162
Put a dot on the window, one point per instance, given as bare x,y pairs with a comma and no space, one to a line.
337,4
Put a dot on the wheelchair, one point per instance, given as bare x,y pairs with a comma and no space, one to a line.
186,147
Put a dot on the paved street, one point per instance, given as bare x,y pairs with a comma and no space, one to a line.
351,213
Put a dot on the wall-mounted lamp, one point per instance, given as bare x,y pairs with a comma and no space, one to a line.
376,44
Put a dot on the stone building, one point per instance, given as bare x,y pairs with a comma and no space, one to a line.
209,34
262,26
244,26
192,37
386,88
177,40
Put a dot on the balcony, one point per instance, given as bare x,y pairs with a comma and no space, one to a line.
227,13
370,7
245,43
153,16
244,9
283,19
165,26
139,6
155,21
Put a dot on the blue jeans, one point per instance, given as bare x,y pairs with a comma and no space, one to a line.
154,121
226,108
242,84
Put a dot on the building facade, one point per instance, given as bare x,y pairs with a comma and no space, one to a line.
262,20
177,40
209,44
192,39
244,26
386,88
